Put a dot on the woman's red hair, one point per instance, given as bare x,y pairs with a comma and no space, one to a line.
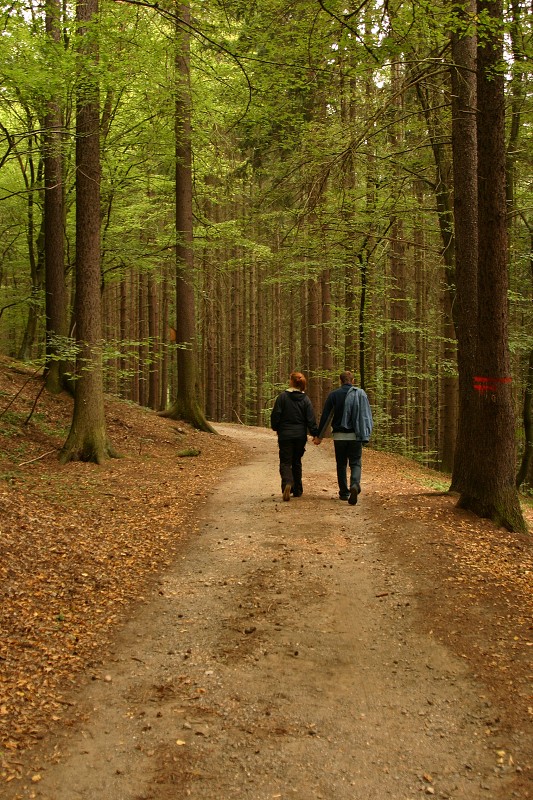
298,381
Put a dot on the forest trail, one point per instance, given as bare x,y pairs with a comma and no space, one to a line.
287,654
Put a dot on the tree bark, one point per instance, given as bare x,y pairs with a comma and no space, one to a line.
491,489
87,439
35,244
54,248
527,455
186,405
327,338
464,151
315,351
398,289
154,344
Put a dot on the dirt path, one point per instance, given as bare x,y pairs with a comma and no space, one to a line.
280,659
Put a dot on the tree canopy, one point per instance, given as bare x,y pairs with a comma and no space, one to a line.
325,207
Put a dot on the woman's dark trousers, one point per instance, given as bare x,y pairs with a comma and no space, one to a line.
290,463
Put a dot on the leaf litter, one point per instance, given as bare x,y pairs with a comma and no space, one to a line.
80,545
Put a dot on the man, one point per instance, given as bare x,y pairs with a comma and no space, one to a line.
348,410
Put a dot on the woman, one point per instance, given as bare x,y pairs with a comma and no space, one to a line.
292,417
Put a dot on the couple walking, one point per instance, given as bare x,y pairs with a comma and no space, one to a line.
346,409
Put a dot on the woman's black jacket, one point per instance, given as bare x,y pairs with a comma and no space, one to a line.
293,415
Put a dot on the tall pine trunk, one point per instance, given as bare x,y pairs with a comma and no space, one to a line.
464,150
185,405
54,248
491,490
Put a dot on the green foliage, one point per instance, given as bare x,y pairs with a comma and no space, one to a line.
311,151
10,477
189,452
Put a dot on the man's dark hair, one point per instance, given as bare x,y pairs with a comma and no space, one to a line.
346,377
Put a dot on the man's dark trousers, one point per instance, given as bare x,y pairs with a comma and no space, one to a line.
348,451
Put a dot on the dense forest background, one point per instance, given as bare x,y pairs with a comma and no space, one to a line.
319,137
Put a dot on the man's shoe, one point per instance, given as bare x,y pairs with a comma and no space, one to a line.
287,492
354,491
344,497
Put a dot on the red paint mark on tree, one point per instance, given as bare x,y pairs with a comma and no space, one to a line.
484,384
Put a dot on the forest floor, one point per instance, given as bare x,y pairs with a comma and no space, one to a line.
169,628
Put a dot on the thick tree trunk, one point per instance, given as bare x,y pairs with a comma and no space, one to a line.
87,440
185,406
491,491
464,148
54,249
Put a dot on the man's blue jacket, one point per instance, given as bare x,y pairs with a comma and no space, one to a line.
360,413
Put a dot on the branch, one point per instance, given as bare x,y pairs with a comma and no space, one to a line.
352,30
175,18
15,303
23,463
19,392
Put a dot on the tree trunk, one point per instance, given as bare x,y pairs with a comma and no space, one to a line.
449,391
422,413
87,440
142,338
398,290
437,135
35,252
527,456
519,86
327,343
54,249
165,339
361,339
464,151
261,368
186,405
315,353
154,345
491,491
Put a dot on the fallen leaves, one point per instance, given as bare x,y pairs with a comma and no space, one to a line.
474,581
78,546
